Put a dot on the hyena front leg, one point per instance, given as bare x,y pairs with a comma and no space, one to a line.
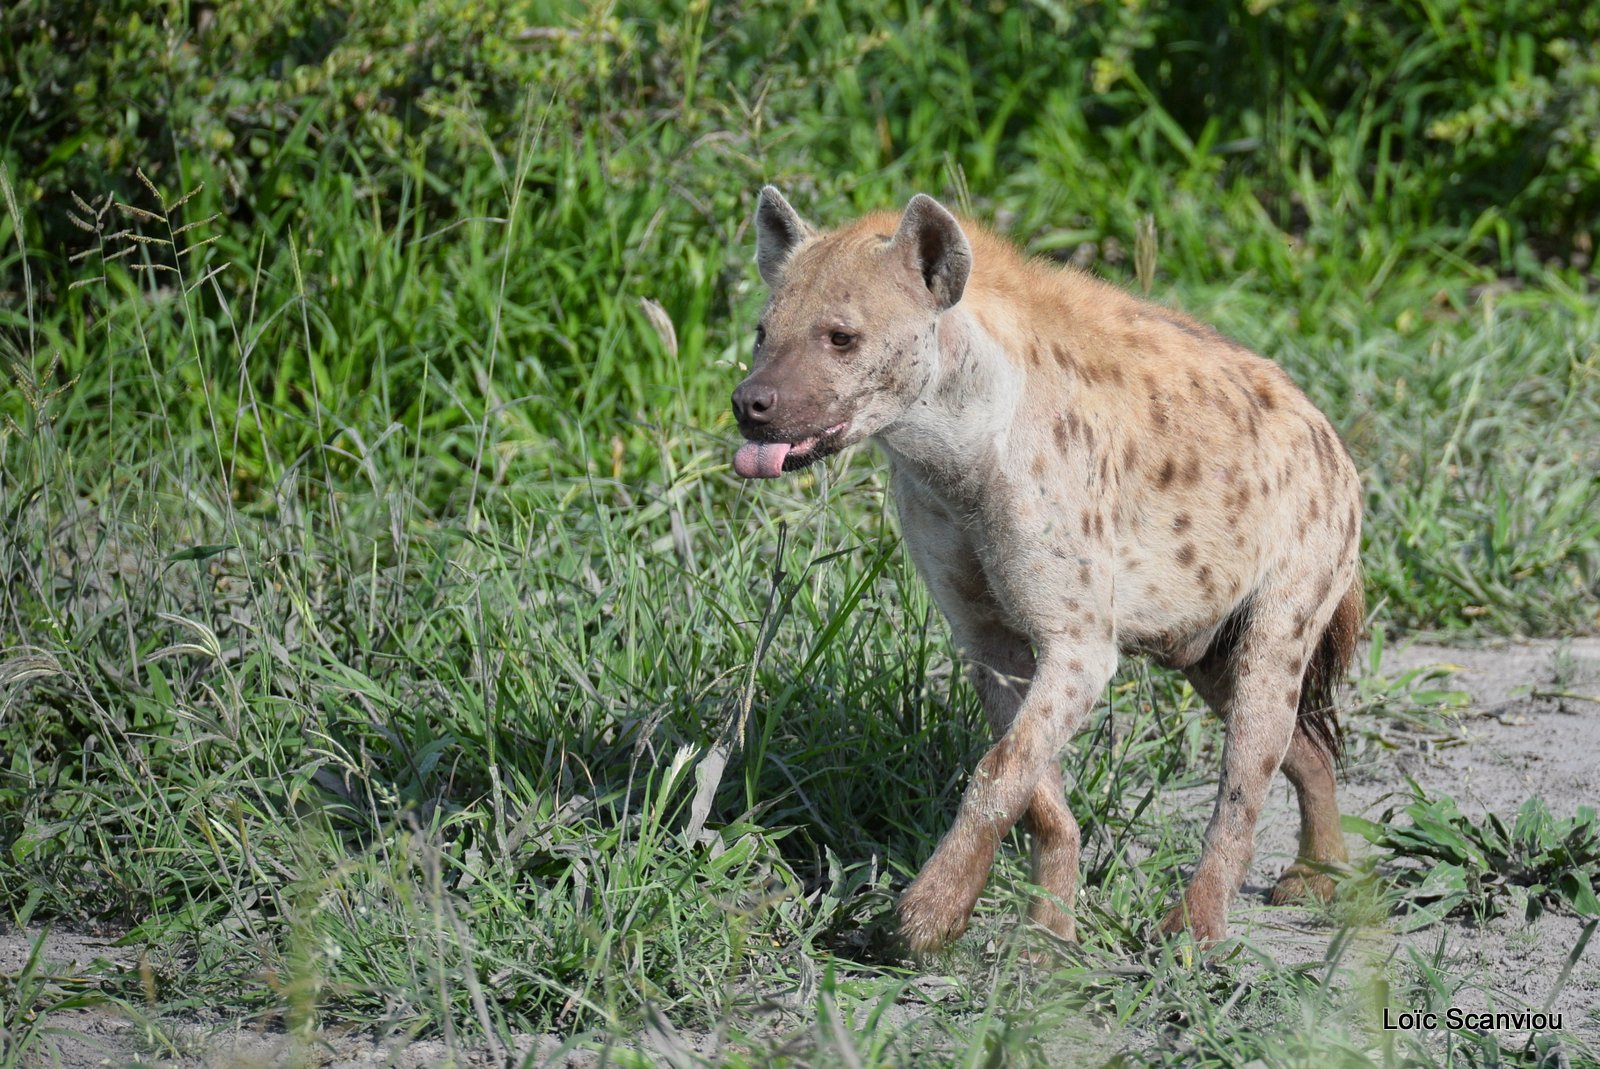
1019,772
1055,855
1001,664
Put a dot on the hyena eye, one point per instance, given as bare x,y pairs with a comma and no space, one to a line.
840,340
761,335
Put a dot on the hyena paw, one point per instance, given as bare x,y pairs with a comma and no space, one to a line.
1206,921
1299,883
931,916
1046,914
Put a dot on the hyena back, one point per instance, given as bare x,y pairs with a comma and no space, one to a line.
1079,474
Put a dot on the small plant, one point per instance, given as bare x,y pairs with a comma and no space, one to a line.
1446,863
27,999
1416,706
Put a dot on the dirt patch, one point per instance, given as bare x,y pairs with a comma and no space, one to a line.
1520,737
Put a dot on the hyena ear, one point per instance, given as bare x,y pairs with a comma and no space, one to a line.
936,246
779,229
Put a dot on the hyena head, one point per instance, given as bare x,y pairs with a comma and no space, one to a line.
847,343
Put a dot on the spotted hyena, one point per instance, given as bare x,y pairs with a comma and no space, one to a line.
1079,474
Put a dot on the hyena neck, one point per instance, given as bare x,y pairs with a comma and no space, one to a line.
953,435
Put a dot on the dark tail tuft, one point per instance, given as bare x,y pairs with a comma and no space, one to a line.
1319,716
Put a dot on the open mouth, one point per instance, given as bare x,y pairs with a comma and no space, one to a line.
768,460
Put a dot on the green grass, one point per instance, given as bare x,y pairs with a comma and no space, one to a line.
376,583
1482,868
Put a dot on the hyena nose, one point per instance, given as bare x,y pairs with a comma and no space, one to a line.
754,404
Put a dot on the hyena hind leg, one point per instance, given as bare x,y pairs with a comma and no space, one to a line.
1259,728
1310,770
1309,762
1254,678
1309,767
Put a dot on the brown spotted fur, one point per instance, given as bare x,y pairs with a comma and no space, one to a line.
1079,474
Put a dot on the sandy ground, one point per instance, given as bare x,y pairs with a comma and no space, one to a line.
1516,741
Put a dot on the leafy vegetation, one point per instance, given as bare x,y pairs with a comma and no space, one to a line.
376,590
1482,868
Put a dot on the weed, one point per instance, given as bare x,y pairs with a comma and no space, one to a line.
1482,868
27,999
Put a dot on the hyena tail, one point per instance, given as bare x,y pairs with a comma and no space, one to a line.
1319,715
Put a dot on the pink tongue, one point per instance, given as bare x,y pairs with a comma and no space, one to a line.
760,460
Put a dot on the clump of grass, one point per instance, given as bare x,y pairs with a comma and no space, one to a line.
1444,863
24,1001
